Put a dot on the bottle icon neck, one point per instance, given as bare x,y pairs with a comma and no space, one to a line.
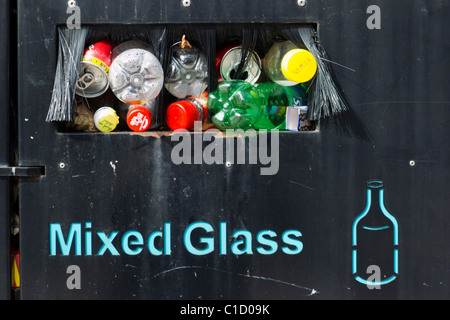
375,195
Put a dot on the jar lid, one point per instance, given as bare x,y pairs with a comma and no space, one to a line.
139,119
106,119
299,65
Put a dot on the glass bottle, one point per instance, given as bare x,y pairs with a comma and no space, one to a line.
235,104
375,240
136,75
275,99
238,104
187,73
288,65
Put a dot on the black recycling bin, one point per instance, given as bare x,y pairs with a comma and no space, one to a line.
123,215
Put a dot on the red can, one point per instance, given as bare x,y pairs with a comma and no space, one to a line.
219,57
94,73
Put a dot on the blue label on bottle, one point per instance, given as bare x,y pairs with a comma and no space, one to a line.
275,110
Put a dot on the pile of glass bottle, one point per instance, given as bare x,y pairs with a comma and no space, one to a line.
124,82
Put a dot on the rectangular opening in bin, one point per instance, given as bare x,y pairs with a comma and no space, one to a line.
225,65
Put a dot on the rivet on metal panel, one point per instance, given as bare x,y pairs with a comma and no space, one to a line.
301,3
72,3
186,3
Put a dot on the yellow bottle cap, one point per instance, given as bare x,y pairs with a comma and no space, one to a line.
299,65
106,119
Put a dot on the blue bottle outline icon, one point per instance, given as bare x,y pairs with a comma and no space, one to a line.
375,190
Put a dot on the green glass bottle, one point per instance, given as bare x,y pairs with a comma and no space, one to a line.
240,105
234,105
275,100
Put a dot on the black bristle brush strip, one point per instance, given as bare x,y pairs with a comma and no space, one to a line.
71,48
325,98
326,103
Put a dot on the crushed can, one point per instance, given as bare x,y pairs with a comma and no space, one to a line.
228,60
136,75
93,78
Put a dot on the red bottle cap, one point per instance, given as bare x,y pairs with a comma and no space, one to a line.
139,119
181,115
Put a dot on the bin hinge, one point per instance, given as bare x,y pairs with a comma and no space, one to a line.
22,171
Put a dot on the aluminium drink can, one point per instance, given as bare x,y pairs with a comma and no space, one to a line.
228,60
93,78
